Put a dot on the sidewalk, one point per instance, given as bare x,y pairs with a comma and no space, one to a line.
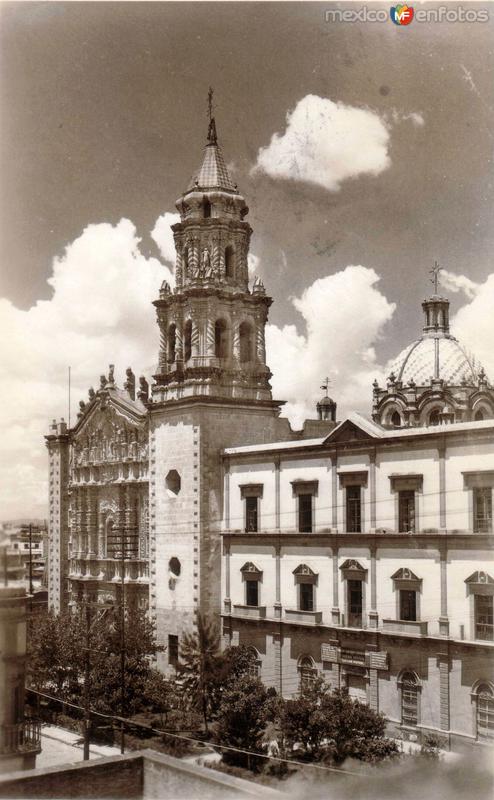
64,747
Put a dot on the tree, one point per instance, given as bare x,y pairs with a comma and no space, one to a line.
55,660
329,726
241,720
159,695
57,657
200,660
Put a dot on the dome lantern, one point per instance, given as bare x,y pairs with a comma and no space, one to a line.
434,377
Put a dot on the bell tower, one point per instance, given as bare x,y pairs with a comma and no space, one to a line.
212,325
211,391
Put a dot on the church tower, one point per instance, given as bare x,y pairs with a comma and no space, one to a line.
211,325
211,391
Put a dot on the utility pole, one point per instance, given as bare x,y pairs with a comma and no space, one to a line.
122,642
30,568
87,678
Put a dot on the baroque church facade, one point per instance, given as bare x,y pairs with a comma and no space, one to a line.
193,494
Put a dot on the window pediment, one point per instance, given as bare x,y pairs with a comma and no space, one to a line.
304,574
353,566
249,568
480,577
402,482
251,490
358,478
405,574
480,582
479,479
303,569
304,487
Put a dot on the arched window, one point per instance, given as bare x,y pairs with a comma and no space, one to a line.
206,208
409,699
221,339
254,664
434,417
172,342
479,415
187,340
485,712
395,419
307,672
246,336
229,262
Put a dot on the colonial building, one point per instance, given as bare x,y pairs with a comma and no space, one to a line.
136,485
357,550
365,556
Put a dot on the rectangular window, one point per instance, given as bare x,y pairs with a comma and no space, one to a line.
353,511
408,605
355,602
306,596
173,650
406,505
484,617
305,513
251,514
482,509
251,593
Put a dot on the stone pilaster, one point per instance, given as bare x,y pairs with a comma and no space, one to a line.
374,689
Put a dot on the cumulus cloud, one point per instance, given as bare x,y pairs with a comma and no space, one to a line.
327,143
100,313
415,117
350,302
459,283
163,235
473,323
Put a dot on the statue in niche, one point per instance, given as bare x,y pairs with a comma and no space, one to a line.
205,261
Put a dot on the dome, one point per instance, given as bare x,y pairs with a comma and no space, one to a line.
443,358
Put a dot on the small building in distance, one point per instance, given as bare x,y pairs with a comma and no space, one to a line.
20,739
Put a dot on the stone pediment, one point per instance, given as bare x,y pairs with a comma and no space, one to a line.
351,431
108,431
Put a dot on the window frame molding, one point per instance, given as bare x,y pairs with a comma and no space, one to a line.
300,486
352,570
403,482
304,574
406,580
401,683
251,490
478,583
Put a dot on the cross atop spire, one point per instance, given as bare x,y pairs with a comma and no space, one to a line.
325,385
212,137
436,269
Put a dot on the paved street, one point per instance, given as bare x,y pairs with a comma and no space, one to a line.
63,747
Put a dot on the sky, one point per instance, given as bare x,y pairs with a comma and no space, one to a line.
364,151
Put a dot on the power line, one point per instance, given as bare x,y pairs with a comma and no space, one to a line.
190,739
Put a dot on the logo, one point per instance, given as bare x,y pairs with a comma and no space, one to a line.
401,15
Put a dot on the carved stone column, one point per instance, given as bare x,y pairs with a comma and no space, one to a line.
163,351
260,343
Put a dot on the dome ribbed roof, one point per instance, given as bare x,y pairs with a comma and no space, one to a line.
417,362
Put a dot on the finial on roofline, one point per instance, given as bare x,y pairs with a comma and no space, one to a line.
212,136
